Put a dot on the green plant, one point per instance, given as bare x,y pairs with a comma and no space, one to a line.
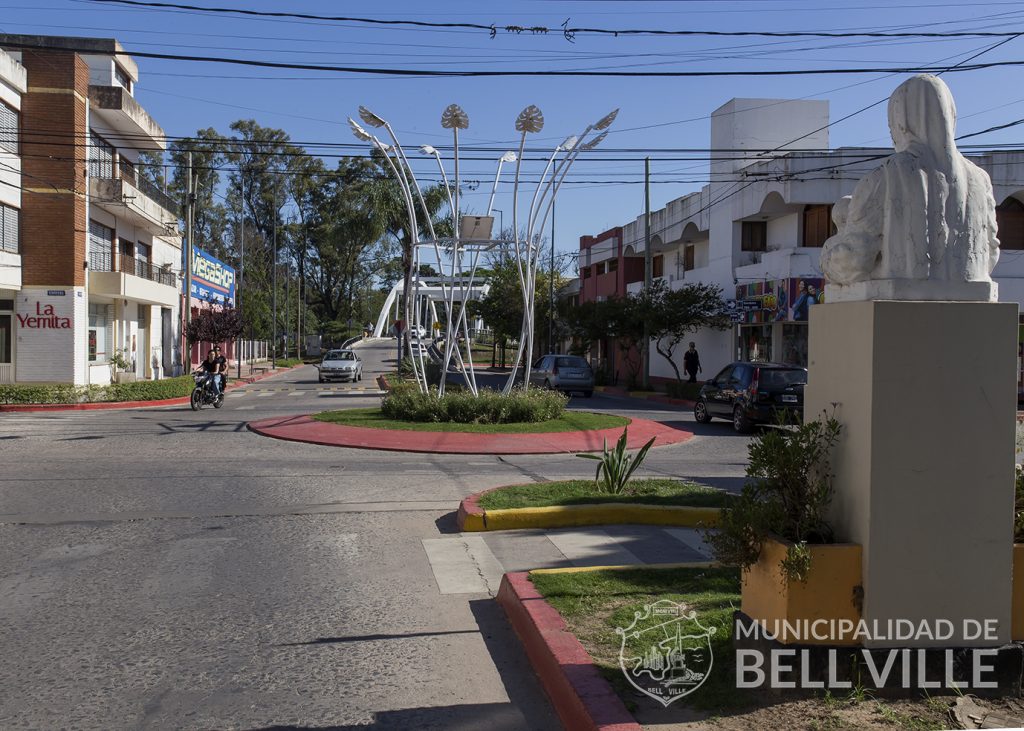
787,494
407,403
119,361
616,466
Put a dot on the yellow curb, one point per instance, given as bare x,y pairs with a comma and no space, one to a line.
562,516
629,567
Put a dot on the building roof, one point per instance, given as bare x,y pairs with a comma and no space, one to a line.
76,44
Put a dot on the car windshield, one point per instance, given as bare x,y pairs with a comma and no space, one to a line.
341,355
571,362
776,377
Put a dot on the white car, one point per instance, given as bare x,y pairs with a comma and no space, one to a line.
343,365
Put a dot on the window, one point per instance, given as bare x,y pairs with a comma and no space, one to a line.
599,268
126,168
101,332
125,247
143,251
101,157
818,225
8,128
1010,224
10,232
754,236
688,258
121,77
658,266
613,265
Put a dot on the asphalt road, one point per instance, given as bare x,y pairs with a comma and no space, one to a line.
161,568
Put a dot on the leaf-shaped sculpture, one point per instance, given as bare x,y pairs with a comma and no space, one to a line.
370,118
359,132
454,118
594,142
606,120
530,119
570,142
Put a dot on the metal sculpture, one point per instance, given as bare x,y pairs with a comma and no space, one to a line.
456,254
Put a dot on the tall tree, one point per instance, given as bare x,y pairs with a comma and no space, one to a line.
211,217
674,314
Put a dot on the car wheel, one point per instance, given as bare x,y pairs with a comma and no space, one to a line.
700,412
322,379
740,422
360,377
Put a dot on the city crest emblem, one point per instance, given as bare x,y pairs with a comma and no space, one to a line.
666,652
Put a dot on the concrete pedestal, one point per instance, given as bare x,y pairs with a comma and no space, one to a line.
925,393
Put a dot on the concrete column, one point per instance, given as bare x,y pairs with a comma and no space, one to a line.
924,471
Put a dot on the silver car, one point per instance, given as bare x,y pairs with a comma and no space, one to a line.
563,373
343,365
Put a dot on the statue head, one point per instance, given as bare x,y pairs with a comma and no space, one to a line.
922,113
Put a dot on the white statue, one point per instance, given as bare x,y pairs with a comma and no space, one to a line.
922,226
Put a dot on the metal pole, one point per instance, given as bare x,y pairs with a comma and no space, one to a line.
646,347
551,287
273,351
189,203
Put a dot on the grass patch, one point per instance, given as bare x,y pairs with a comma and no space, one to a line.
595,603
579,492
568,421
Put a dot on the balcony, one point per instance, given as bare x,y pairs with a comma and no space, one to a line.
136,199
128,278
115,108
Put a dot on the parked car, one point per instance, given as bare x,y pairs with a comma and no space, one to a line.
343,365
753,393
563,373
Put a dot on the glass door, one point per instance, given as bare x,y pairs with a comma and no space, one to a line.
6,347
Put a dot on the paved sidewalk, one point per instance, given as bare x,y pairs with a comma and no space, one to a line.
305,429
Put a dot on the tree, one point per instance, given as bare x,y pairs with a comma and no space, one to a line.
214,326
208,155
677,313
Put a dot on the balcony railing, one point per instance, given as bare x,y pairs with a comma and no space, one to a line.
129,173
103,261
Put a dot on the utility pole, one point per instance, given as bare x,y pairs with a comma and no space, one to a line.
189,215
648,259
551,287
273,351
241,266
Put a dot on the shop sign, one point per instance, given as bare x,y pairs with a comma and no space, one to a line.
781,300
212,280
45,318
55,293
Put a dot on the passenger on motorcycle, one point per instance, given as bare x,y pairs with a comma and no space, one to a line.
215,366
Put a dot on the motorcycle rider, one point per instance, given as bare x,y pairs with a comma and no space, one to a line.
215,366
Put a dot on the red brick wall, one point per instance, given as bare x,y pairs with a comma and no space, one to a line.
54,150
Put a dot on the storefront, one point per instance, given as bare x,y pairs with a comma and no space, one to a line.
773,324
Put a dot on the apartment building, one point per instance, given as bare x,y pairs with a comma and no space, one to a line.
13,85
98,251
757,228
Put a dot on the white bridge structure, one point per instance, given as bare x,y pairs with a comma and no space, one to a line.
459,256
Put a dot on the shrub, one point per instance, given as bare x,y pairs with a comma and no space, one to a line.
615,466
66,393
787,494
405,402
147,390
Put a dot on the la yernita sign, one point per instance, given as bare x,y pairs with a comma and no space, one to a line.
46,318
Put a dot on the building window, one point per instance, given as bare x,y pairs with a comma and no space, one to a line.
688,258
101,157
613,265
121,77
754,236
584,272
8,128
101,333
126,168
1010,224
599,268
658,266
101,245
10,230
818,225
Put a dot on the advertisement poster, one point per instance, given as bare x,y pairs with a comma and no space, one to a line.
782,300
213,281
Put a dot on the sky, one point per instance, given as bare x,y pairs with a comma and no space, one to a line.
666,118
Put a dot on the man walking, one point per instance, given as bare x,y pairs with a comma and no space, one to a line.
691,363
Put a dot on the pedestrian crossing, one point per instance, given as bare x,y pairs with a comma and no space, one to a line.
294,391
473,563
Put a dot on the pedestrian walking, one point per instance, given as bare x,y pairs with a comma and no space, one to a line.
691,363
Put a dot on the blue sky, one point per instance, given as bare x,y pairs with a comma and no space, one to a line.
656,113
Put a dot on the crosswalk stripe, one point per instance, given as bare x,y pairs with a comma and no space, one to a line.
463,565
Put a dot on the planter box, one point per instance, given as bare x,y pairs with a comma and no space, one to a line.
125,377
831,592
1017,607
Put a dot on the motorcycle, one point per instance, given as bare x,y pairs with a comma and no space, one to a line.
203,394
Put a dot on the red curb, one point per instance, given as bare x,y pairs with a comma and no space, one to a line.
581,697
470,506
303,428
102,405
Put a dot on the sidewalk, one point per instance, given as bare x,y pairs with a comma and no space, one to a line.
305,429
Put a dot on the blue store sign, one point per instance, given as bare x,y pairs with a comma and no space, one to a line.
212,280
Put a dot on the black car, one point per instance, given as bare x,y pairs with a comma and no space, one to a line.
753,393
